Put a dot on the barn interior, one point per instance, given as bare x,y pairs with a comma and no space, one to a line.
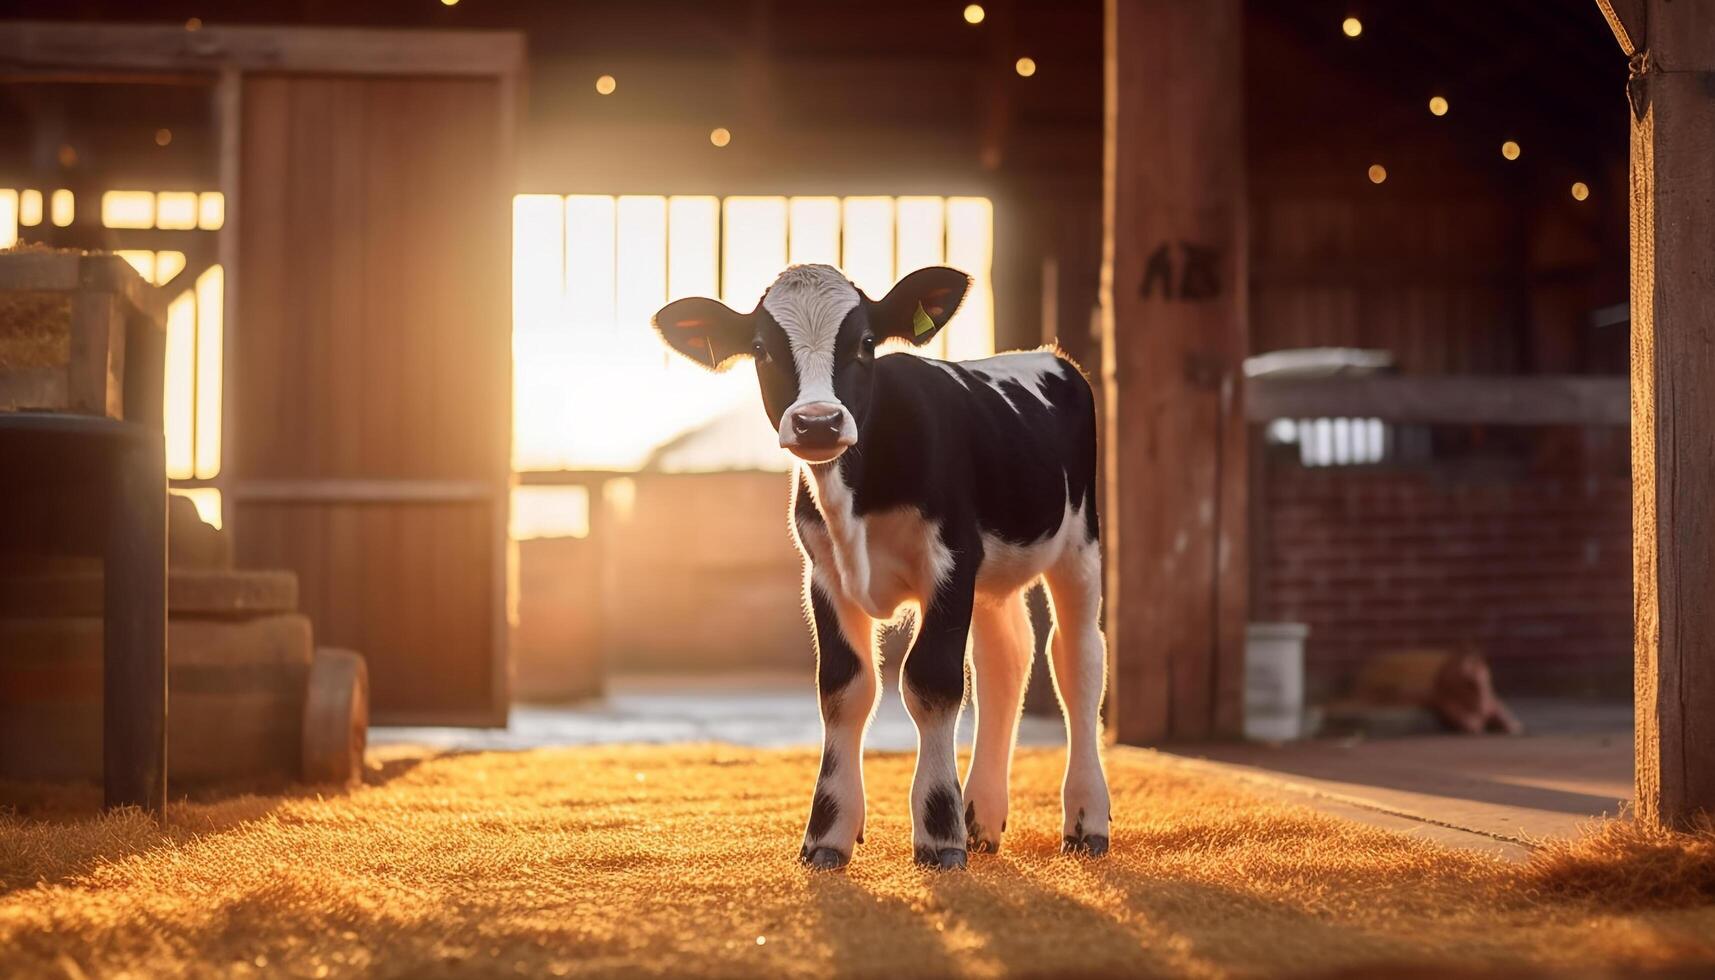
1354,281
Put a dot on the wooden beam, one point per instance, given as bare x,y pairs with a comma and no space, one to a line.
26,45
1174,340
1672,98
1445,400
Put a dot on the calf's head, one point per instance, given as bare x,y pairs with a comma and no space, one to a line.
813,339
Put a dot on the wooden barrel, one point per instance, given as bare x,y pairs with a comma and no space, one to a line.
236,697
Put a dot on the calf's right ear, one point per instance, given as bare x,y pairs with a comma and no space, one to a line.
705,330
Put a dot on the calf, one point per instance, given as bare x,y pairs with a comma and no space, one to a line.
951,486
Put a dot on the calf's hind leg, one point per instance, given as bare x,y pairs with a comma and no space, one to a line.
1001,645
1078,656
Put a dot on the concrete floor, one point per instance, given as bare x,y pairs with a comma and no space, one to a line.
764,711
1490,793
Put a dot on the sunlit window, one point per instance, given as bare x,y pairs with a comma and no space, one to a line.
62,208
8,218
207,501
179,411
550,512
141,259
128,209
30,208
594,387
171,210
176,210
191,410
210,295
211,210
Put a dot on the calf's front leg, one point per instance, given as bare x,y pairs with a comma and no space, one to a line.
847,685
933,687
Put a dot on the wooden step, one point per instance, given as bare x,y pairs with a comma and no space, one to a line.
236,691
190,592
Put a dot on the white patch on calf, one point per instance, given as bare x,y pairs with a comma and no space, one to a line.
879,561
1031,369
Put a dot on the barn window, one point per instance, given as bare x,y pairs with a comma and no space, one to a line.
593,386
171,210
1333,441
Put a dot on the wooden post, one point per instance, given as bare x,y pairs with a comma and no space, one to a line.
1671,96
1174,339
134,645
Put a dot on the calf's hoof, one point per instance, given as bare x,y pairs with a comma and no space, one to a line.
977,838
823,859
1086,845
941,859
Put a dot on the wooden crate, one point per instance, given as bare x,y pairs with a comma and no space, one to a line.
80,333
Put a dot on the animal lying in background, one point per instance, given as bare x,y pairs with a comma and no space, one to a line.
1465,699
948,486
1455,687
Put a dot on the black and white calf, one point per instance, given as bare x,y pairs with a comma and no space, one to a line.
951,486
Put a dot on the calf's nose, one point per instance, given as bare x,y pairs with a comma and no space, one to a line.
818,427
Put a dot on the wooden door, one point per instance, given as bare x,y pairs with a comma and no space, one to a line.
369,373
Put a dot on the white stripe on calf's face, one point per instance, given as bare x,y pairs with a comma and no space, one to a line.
810,302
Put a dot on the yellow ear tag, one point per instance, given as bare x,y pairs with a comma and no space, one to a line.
920,322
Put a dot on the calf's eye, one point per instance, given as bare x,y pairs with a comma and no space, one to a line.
760,351
869,346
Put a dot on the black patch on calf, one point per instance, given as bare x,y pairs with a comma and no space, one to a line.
836,662
938,437
830,762
941,813
824,810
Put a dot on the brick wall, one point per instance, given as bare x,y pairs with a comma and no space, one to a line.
1529,564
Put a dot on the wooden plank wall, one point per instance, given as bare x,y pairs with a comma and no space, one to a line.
373,343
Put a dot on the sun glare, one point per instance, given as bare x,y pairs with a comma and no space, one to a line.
813,225
753,248
590,259
867,250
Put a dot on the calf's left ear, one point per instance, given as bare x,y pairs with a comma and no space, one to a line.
922,303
